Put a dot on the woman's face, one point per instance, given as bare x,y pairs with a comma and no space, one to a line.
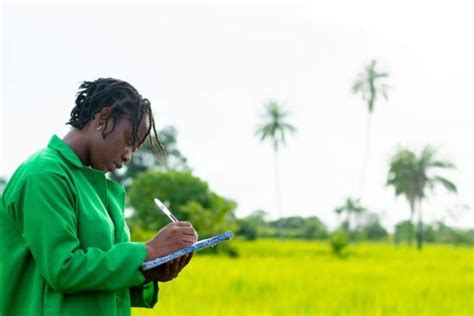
116,149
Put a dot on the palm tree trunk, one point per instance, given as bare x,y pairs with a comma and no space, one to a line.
419,228
277,194
365,158
412,215
412,209
348,223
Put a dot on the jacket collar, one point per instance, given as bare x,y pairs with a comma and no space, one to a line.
56,143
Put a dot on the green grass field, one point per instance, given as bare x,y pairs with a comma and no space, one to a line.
274,277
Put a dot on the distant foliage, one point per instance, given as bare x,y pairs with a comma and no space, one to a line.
415,175
370,228
404,231
339,242
441,233
254,226
187,196
251,227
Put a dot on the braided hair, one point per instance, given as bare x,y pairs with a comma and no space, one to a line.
123,99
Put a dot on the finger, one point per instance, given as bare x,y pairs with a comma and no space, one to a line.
188,231
185,242
189,239
167,268
189,258
155,273
174,268
182,262
183,224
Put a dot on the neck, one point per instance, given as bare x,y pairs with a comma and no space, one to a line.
77,140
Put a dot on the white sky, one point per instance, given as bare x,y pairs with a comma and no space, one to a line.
209,67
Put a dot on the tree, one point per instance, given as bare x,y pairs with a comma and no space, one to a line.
275,129
370,85
313,228
404,231
145,158
350,206
414,176
339,241
188,197
250,225
371,228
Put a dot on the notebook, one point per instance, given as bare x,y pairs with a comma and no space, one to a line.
209,242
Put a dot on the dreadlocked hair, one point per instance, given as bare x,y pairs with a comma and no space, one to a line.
123,99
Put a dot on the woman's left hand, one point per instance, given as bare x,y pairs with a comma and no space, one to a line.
169,270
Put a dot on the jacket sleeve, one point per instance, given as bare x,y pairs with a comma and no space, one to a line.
46,216
145,295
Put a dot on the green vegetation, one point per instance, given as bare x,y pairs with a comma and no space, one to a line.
255,226
188,196
370,84
350,207
274,277
275,129
413,176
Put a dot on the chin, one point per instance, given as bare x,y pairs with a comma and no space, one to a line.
102,168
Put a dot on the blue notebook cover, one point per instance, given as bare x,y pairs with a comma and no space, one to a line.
195,247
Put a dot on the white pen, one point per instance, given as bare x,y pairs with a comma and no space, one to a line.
165,210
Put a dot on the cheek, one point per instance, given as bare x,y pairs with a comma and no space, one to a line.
102,153
114,147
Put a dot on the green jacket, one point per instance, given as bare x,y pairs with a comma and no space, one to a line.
64,245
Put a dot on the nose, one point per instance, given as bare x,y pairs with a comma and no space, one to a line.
127,155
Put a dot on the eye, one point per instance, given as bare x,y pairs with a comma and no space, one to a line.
132,145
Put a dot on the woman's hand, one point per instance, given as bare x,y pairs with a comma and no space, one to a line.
172,237
169,270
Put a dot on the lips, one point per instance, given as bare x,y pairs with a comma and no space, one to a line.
114,166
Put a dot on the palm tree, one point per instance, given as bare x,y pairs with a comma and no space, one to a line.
350,206
413,176
275,128
369,85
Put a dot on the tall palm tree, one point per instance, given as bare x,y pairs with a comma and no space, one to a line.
369,83
413,176
275,128
350,206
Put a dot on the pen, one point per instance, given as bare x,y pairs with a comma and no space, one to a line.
165,210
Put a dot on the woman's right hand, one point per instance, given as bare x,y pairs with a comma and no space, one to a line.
172,237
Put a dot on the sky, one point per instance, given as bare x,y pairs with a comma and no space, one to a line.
209,67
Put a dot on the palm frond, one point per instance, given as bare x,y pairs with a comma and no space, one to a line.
426,156
275,127
367,82
339,210
451,187
381,75
357,86
442,164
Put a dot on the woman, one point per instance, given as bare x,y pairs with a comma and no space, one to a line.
65,247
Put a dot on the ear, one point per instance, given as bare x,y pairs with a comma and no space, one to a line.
103,116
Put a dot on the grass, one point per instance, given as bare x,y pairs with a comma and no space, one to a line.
273,277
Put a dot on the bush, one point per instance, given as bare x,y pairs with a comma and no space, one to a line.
339,241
